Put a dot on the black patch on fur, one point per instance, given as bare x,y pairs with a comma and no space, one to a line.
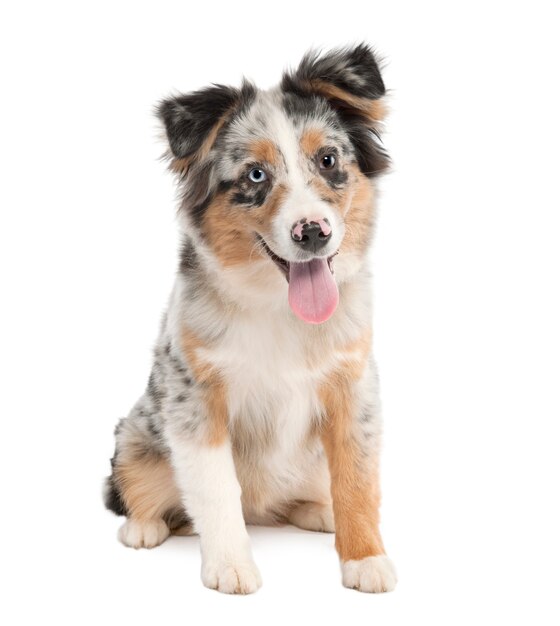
113,500
304,105
177,365
118,429
225,185
253,197
371,156
154,392
153,429
237,154
176,518
199,210
335,177
189,118
187,263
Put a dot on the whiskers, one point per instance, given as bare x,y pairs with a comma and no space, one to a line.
258,247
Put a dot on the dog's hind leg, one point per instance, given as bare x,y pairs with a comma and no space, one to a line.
142,485
315,516
151,500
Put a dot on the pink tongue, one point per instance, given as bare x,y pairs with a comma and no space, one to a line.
312,292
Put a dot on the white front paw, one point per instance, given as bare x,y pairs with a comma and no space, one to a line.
374,574
230,576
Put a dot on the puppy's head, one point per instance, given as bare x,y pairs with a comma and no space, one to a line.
279,182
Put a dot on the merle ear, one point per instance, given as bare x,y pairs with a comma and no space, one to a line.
340,74
190,120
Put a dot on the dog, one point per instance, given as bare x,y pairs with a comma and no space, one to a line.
262,404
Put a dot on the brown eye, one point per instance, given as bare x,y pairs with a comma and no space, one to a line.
327,162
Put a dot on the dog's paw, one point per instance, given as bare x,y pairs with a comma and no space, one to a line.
313,516
143,533
240,577
373,574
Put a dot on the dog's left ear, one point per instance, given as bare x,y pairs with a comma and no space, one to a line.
350,80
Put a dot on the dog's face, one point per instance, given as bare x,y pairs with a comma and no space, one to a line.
280,180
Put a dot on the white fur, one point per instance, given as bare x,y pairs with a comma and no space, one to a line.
272,395
374,574
206,477
237,577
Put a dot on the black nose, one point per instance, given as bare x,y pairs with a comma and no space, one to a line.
311,236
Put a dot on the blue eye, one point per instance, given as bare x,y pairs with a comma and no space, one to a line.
256,175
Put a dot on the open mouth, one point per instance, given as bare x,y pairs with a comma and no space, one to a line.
283,265
312,290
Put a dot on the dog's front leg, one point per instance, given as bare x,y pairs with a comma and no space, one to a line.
350,438
205,474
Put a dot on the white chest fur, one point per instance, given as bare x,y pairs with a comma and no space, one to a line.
272,386
273,404
273,366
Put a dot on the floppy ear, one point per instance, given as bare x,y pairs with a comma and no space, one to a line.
350,80
193,121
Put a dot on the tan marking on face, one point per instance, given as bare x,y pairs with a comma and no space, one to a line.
336,197
147,486
375,110
359,217
354,478
312,140
230,229
227,234
214,390
264,151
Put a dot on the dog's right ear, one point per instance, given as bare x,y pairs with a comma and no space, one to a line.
192,121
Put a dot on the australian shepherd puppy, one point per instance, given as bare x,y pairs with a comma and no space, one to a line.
262,404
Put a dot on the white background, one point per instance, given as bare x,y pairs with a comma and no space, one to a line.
466,318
